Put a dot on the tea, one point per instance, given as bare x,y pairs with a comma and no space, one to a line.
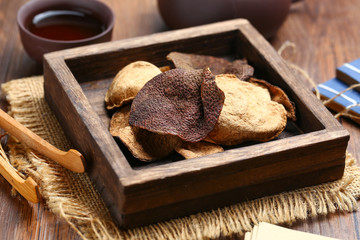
65,25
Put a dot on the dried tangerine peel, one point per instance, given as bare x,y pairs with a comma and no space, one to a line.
196,61
165,68
198,149
128,82
248,113
217,65
144,145
277,95
186,103
241,69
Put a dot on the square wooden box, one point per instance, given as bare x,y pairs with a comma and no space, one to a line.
75,84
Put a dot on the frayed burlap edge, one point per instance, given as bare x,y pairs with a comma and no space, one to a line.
72,196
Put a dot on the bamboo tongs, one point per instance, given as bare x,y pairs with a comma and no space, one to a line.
72,159
27,188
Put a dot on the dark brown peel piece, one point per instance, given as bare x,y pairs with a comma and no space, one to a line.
240,68
279,96
195,61
185,103
217,65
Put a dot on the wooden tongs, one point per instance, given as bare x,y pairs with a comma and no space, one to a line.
27,188
72,159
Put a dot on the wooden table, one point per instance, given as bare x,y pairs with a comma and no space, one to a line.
326,34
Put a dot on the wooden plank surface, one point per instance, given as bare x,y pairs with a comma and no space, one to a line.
326,34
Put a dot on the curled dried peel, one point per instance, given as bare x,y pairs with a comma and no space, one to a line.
186,103
144,145
148,146
217,65
190,61
128,82
248,113
277,95
240,69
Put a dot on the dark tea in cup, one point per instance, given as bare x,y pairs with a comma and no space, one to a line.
66,25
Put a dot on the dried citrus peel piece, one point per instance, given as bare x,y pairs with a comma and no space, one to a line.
217,65
185,103
248,113
147,146
144,145
128,82
198,149
277,95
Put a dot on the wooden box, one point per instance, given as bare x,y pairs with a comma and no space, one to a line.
311,151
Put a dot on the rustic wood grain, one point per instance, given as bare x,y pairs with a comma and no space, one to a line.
326,34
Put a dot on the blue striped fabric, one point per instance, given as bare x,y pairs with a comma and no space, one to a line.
351,69
334,86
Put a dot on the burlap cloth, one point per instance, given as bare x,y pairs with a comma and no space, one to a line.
72,196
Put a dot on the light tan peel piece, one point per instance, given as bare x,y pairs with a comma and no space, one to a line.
198,149
128,82
277,95
248,113
144,145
